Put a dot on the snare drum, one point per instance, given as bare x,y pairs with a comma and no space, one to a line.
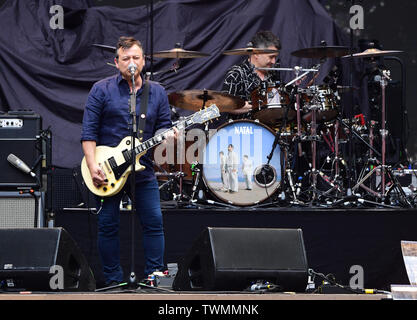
235,157
269,103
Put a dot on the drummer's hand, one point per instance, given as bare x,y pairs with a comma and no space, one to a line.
245,109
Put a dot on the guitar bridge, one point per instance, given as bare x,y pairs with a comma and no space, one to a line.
107,166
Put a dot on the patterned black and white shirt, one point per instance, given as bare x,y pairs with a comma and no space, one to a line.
241,80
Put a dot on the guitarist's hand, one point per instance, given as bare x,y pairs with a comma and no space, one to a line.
171,136
97,175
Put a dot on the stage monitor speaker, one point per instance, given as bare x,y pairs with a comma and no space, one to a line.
232,259
22,210
20,135
31,259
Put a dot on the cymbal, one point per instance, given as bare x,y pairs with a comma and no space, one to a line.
179,53
105,47
113,49
194,99
371,53
249,51
344,89
321,52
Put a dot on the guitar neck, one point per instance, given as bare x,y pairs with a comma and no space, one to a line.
159,138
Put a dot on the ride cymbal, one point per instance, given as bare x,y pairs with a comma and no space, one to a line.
249,51
179,53
321,52
195,99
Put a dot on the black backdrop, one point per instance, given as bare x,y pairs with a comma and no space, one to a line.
51,71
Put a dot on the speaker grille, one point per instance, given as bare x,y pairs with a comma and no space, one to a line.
234,258
20,210
247,249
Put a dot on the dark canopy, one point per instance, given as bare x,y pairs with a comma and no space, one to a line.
51,71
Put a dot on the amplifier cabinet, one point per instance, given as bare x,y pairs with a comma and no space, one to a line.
22,210
20,135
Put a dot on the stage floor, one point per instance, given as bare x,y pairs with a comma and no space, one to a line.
184,296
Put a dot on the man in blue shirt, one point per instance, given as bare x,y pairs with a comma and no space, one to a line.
107,120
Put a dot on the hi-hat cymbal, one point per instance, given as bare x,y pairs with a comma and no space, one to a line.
321,52
194,99
179,53
372,52
249,51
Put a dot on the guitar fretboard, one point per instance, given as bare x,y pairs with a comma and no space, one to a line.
159,138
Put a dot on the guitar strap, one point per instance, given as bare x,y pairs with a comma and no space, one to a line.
143,108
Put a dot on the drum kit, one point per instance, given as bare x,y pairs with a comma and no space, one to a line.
275,148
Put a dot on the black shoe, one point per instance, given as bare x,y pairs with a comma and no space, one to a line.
113,286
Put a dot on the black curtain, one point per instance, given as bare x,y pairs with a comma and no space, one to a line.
51,71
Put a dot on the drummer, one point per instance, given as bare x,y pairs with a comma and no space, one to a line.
242,79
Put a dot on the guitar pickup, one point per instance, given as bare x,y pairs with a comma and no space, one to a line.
127,155
112,163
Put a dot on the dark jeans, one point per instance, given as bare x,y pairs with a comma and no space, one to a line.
149,212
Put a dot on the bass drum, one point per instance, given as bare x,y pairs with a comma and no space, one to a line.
235,166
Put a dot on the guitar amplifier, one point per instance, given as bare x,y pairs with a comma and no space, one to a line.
20,135
22,210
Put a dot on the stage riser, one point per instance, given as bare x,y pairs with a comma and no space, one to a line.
335,240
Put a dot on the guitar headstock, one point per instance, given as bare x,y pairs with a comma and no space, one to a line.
206,114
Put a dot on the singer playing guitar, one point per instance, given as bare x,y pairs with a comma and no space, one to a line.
107,120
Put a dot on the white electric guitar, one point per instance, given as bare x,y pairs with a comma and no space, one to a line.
116,162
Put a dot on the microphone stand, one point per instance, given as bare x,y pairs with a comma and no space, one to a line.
132,103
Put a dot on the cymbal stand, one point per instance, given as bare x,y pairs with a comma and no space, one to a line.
277,141
313,137
180,148
335,183
382,167
298,139
370,162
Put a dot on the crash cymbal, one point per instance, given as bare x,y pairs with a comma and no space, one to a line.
249,51
179,53
372,52
321,52
194,100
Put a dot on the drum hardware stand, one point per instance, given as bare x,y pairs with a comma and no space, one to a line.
382,168
385,171
298,139
336,182
285,146
313,138
195,169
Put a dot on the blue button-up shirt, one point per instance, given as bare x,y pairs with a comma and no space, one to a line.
107,118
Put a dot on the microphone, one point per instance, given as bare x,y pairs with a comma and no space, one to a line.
19,164
132,68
